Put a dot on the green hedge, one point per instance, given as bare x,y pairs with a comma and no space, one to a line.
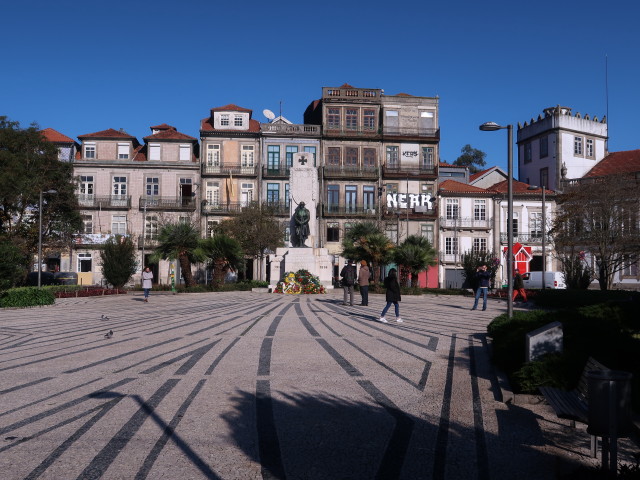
26,297
552,298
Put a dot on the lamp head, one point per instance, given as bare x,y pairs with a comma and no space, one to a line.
490,127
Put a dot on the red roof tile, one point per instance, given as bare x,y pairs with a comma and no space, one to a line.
140,154
403,95
110,133
231,108
445,164
207,126
163,126
169,135
475,176
627,161
459,187
55,137
346,85
518,188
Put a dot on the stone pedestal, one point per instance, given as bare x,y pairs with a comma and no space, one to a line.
315,260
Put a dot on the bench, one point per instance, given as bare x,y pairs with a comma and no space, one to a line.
573,405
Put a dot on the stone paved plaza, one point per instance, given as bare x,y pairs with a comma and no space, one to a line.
246,385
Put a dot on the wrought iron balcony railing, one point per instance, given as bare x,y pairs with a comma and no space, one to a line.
408,170
276,171
104,201
345,171
466,222
330,209
238,170
531,238
157,202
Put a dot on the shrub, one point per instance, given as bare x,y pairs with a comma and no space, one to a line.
118,260
26,297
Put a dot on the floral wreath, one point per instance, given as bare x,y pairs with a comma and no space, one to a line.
301,281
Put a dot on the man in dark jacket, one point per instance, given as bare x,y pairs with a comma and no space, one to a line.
483,277
392,296
348,275
518,286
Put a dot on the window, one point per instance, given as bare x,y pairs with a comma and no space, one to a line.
333,118
246,194
213,155
290,151
333,232
85,189
184,219
212,195
351,198
630,266
392,187
479,245
514,224
287,232
333,198
391,121
247,156
452,209
535,225
212,225
391,231
369,198
369,157
154,151
351,157
87,223
479,209
589,148
273,193
351,119
392,157
224,119
544,147
123,151
577,145
427,121
185,153
153,186
151,227
544,177
237,121
426,230
119,224
369,119
84,262
427,157
451,245
333,156
119,186
89,150
273,157
287,196
312,151
527,152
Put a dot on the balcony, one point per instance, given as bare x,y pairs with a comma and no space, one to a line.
297,130
278,208
433,133
528,238
147,242
107,202
338,171
337,210
351,94
88,240
343,131
226,170
276,172
227,208
167,203
405,171
450,258
466,223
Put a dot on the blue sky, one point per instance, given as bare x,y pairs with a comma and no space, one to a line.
81,67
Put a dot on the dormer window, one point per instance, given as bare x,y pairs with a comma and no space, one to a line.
123,151
237,121
224,119
90,150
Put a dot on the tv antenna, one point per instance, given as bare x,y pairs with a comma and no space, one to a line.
269,114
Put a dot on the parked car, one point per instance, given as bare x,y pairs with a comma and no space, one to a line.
551,280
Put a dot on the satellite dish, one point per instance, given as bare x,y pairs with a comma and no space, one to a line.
269,114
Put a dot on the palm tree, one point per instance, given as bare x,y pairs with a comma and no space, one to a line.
415,254
225,254
366,241
180,240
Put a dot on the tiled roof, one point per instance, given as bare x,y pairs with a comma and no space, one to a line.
475,176
459,187
55,137
403,95
207,126
346,85
163,126
110,133
169,135
140,154
518,188
627,161
448,165
231,108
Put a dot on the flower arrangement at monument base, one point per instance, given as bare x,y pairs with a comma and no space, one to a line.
301,281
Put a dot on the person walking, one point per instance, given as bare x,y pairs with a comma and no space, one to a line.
483,277
392,295
348,275
147,282
518,286
363,282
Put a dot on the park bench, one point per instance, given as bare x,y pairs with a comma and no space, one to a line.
574,405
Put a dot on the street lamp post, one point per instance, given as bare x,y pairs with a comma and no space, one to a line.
490,127
40,236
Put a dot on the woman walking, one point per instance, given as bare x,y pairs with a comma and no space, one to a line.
392,296
147,282
363,283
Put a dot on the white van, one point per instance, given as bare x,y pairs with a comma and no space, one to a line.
551,280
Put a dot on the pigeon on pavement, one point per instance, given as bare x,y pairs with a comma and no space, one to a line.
104,317
109,334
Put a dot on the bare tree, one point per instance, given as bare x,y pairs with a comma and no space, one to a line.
600,216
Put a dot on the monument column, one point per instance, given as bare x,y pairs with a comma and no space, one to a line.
303,187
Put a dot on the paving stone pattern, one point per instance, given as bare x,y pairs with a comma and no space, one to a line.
248,385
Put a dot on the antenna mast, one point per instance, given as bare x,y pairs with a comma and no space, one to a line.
606,89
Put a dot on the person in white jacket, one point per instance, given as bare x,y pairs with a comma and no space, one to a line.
147,282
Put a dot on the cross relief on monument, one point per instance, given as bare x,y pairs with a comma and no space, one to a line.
302,160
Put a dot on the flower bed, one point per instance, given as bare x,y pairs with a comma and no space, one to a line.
301,281
90,292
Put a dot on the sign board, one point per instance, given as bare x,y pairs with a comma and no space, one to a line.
410,200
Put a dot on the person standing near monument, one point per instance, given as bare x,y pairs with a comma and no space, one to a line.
483,277
348,275
363,282
301,218
147,282
392,295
